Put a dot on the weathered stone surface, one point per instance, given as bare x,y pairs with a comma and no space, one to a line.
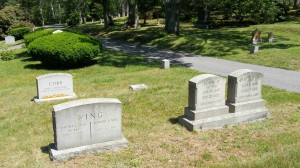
244,85
165,64
271,37
54,86
87,121
138,87
206,91
86,126
10,40
206,99
62,155
254,49
255,39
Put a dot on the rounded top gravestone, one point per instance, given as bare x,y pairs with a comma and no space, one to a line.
206,91
244,85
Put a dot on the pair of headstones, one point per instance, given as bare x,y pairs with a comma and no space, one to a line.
255,39
80,126
208,109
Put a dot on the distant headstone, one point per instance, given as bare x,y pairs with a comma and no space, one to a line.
86,126
165,64
255,39
206,100
254,49
54,86
271,37
10,40
244,94
57,31
138,87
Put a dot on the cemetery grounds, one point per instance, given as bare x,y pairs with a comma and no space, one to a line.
150,118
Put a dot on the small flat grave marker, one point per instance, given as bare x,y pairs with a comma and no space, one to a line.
54,86
86,126
138,87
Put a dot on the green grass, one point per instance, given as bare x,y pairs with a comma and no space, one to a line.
230,43
149,120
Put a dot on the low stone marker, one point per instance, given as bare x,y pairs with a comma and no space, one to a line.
254,49
138,87
57,31
54,86
207,108
86,126
271,37
10,40
206,100
165,64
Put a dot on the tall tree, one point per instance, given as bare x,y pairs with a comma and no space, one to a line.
296,4
133,17
172,16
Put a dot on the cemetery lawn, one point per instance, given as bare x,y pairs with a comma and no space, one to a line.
231,43
150,119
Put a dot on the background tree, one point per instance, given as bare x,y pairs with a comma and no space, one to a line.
172,16
133,16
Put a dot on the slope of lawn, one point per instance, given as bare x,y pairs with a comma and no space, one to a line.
150,119
232,43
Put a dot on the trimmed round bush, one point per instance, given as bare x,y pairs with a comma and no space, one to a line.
28,38
65,50
19,32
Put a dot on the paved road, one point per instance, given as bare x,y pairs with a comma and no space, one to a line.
275,77
13,47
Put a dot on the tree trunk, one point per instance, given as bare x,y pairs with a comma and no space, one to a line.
123,9
108,20
296,4
52,9
59,14
41,13
172,16
133,17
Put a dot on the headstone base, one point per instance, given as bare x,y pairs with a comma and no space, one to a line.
37,100
206,113
224,120
61,155
245,106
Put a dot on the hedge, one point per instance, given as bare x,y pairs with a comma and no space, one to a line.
28,38
65,50
19,32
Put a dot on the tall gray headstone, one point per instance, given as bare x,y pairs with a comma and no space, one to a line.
244,91
54,86
206,100
10,40
86,126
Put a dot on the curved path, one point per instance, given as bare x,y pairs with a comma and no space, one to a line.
275,77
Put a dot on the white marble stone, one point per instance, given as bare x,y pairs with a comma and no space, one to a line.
10,40
165,64
138,87
54,86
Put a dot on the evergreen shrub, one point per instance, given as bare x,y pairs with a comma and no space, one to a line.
28,38
65,50
19,32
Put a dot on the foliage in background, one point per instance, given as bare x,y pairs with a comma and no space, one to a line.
10,15
19,32
65,50
28,38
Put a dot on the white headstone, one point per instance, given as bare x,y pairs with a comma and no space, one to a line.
166,64
54,86
85,126
10,40
254,49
